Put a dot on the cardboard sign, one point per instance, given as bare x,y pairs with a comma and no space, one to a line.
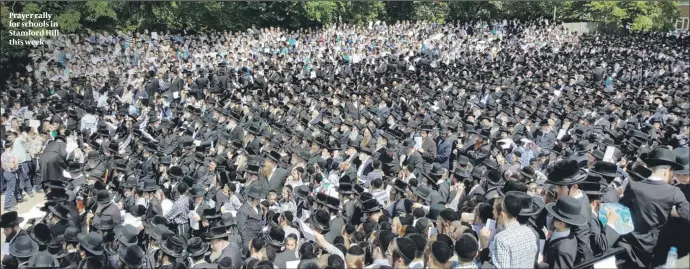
608,154
307,231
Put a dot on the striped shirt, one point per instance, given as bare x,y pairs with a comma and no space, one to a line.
180,211
10,163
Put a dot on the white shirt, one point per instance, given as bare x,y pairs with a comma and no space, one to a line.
557,235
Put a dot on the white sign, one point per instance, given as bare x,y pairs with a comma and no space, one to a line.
34,123
292,264
608,154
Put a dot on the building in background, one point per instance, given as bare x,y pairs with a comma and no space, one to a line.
683,23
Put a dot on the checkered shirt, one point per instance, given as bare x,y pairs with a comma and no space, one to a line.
514,247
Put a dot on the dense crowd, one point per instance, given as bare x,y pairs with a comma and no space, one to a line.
499,144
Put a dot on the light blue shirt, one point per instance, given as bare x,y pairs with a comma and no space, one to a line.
19,150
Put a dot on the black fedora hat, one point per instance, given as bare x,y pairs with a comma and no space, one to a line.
255,191
126,235
23,247
301,192
216,232
435,173
662,156
566,172
593,186
71,235
274,156
228,220
371,205
529,208
210,213
175,246
92,242
333,203
104,223
253,169
567,209
196,247
494,177
149,185
41,234
10,219
74,167
682,158
56,249
528,174
103,197
321,198
175,172
345,187
606,169
321,220
400,186
275,236
132,256
423,191
197,191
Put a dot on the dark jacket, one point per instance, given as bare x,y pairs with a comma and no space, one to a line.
249,223
111,210
560,253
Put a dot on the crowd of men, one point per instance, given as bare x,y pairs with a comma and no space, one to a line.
410,145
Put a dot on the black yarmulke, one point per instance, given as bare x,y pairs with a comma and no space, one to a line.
355,250
445,239
512,205
419,241
385,238
418,212
441,251
449,214
466,247
407,247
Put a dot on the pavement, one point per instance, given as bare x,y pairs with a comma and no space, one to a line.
24,207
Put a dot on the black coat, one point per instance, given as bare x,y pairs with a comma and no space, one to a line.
560,253
249,223
111,210
415,162
277,180
601,237
52,160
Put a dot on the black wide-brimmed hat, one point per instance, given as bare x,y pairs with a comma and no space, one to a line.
662,156
423,191
529,208
132,256
345,187
104,223
301,192
606,169
103,197
682,158
210,213
149,185
566,172
23,247
252,169
41,234
216,232
567,209
74,167
321,198
71,235
400,186
10,219
255,191
494,177
56,249
593,186
196,247
321,220
126,235
371,205
197,191
175,172
436,172
227,220
528,174
92,242
175,246
333,203
275,236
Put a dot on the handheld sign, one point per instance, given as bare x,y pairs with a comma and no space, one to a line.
608,154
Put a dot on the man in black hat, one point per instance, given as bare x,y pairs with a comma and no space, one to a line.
170,251
149,167
445,143
220,246
428,149
602,237
544,137
105,207
413,162
249,218
560,250
641,196
53,160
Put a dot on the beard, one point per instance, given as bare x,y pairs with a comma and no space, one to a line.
215,255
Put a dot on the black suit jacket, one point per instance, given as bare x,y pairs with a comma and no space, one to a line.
416,163
601,237
560,253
